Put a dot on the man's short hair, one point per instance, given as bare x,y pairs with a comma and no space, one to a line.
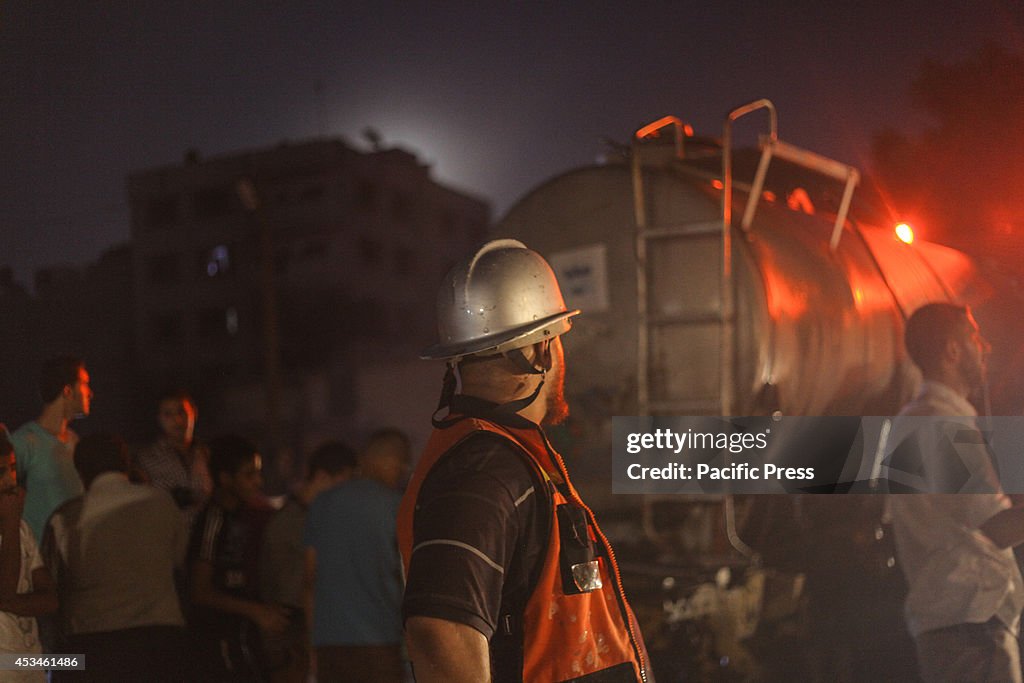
99,453
228,454
386,434
386,442
332,457
56,373
928,330
177,395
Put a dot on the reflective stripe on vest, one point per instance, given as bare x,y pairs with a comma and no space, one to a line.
576,621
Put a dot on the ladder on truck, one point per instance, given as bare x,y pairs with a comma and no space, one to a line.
703,330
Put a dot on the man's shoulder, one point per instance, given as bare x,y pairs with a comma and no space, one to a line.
212,511
156,497
483,450
483,457
143,500
358,493
25,429
29,435
934,399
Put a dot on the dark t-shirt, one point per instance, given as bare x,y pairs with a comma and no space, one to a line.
230,541
479,535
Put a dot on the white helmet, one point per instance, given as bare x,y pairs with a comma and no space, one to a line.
503,297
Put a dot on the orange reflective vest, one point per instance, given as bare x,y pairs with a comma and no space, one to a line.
576,622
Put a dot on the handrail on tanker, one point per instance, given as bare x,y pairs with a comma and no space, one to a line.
771,146
681,129
728,305
652,129
728,324
736,113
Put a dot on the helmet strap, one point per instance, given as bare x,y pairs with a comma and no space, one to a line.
504,413
501,413
519,359
447,393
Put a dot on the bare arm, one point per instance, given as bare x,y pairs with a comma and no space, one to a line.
1006,527
268,617
446,651
42,600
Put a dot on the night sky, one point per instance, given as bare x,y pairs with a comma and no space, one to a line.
497,97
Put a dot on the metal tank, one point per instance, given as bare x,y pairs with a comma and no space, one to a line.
808,322
698,301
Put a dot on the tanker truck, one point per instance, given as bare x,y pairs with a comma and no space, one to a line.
716,281
709,292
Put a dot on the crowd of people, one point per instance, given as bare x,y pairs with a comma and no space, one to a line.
169,563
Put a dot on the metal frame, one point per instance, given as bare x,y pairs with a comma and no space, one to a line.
727,369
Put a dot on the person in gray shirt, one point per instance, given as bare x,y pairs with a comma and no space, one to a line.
113,551
281,558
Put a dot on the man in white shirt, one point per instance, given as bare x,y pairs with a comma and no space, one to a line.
113,551
955,543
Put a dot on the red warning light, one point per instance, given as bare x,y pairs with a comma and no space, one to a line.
904,233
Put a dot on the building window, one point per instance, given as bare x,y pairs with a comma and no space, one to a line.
212,202
216,261
231,320
163,269
162,211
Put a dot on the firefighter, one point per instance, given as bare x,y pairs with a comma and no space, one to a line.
509,578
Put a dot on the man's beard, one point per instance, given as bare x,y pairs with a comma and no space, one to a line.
557,408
